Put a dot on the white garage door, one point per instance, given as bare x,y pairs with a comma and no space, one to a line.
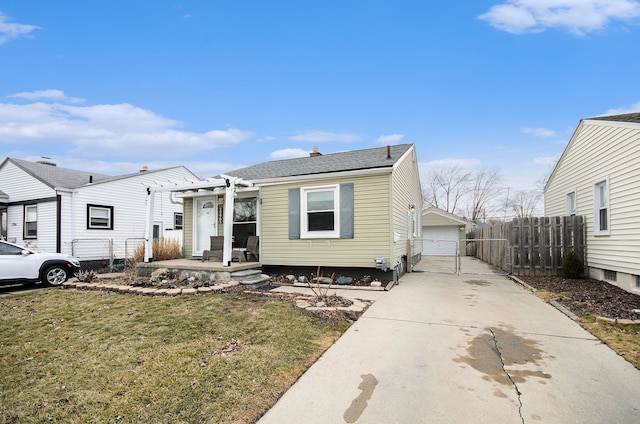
440,241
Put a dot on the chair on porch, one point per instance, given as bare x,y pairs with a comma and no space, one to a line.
217,246
252,247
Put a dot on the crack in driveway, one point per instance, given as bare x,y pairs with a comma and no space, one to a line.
515,386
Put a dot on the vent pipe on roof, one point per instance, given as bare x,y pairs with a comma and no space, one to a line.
388,152
315,152
144,168
44,160
90,179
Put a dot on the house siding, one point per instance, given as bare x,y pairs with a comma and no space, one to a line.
128,197
22,187
371,229
600,150
406,191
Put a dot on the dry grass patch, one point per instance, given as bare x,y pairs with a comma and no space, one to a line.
79,356
624,339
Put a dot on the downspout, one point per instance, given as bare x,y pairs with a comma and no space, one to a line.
58,223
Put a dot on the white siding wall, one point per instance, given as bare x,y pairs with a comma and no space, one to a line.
597,151
20,186
128,198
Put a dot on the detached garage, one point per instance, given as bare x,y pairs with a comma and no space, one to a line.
443,233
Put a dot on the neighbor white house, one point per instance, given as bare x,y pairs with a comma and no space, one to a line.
93,216
598,176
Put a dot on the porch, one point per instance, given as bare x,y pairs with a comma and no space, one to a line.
201,270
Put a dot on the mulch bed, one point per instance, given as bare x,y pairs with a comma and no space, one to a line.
589,297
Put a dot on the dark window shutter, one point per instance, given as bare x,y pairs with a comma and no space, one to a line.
294,213
346,210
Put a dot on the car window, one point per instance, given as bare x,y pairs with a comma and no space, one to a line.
7,249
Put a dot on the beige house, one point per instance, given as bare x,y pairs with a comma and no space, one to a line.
355,211
444,233
598,176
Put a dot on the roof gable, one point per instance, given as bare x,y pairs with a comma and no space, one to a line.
55,176
628,120
432,210
374,158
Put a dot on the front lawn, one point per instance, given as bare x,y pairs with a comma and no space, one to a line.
84,356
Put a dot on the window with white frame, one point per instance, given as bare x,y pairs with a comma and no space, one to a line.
571,203
601,208
320,207
100,217
30,221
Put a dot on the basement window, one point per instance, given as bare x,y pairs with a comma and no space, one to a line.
638,281
610,275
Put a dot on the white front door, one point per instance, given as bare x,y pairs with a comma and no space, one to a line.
205,219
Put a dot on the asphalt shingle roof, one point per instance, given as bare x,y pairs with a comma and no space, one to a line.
627,117
333,162
55,176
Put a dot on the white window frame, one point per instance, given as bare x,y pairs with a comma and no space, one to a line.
108,226
571,202
27,221
600,203
304,221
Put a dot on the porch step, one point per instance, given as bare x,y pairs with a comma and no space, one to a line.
239,275
256,282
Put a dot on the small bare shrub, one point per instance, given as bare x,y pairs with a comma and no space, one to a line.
88,276
163,249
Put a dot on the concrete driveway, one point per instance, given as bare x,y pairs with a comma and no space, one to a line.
463,349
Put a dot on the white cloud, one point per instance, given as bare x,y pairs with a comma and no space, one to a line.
10,30
634,108
451,162
288,154
389,139
326,136
547,161
57,95
539,132
577,16
117,130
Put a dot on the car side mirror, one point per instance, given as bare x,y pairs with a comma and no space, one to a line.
25,252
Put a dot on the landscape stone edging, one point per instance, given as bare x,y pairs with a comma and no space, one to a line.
303,302
149,291
554,302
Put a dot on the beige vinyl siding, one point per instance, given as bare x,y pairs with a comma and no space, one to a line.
406,191
371,226
598,151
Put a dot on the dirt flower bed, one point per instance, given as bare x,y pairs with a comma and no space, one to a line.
586,297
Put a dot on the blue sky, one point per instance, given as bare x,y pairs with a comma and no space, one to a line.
109,86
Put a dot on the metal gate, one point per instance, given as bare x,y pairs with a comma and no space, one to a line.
477,257
438,256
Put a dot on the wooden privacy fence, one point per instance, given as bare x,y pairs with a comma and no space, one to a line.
538,245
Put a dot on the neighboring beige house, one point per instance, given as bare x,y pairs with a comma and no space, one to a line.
92,216
444,233
598,176
356,210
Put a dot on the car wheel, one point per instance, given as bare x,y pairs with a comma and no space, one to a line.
55,275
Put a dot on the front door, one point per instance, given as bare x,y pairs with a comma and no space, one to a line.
205,220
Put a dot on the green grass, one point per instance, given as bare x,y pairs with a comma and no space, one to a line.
82,356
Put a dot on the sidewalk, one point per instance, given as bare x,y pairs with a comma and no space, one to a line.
463,349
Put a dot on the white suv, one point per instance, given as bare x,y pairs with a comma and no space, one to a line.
22,265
